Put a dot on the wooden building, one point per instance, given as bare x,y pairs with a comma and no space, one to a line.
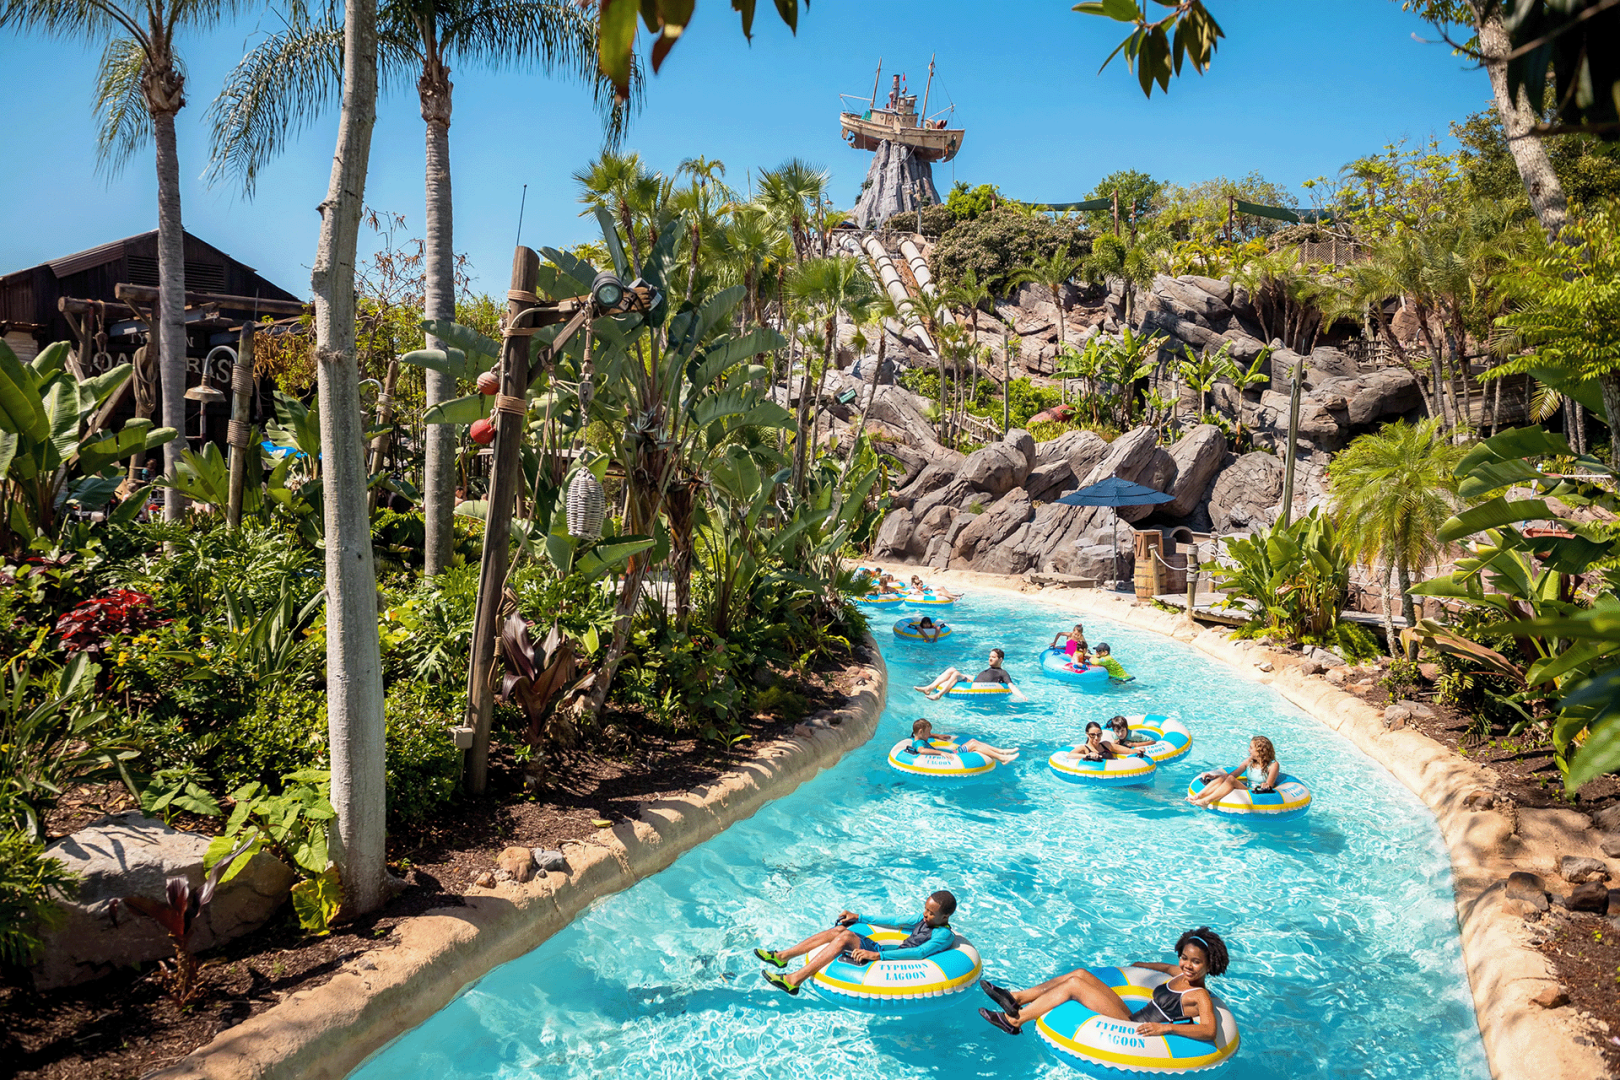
103,301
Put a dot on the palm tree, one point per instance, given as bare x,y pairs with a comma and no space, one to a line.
621,185
832,286
1054,272
1390,492
877,315
285,82
140,86
794,193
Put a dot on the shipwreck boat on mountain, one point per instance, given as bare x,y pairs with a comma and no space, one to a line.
898,121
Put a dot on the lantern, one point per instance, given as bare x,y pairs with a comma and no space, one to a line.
587,506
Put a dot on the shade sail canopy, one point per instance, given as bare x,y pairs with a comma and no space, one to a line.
1115,492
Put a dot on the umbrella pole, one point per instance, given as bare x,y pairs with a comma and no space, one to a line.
1116,549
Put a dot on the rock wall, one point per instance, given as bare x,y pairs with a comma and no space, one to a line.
896,181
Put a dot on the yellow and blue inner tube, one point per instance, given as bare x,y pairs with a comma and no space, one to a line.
1288,800
949,764
1055,663
1102,1046
1117,772
881,599
907,628
896,986
927,599
982,691
1172,740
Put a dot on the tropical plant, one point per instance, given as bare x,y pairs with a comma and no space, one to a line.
53,454
1290,579
1392,493
832,287
1053,272
178,913
293,826
30,884
53,735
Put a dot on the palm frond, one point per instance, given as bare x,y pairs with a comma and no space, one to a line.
120,105
275,92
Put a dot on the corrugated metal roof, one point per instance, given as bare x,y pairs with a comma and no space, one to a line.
96,256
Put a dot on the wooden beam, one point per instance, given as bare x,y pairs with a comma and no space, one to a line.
147,294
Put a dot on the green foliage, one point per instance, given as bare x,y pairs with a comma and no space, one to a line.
1587,169
317,900
1400,680
997,244
1155,50
780,702
184,788
1291,578
423,764
27,907
1199,212
970,203
1024,398
937,220
285,732
292,825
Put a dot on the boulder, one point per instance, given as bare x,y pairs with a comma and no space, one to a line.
1219,289
1183,329
1127,457
1376,395
957,493
1196,456
1182,292
1244,348
517,861
1331,362
935,523
1528,887
933,477
1611,846
989,529
1578,868
1246,493
1592,896
1554,997
133,855
1046,482
894,538
1608,818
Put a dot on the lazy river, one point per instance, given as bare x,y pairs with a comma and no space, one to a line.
1341,926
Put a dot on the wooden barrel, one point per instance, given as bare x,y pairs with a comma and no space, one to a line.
1149,571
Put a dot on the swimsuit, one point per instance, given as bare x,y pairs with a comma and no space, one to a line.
1166,1002
994,674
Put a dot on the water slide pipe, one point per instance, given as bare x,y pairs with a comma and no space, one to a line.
896,288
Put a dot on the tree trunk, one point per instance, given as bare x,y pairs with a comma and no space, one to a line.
385,421
354,688
1529,152
1404,360
1408,610
170,308
439,302
1387,605
1609,386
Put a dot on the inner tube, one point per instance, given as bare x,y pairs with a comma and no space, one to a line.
983,690
1172,740
880,599
950,765
1056,664
907,628
927,599
1288,800
1102,1046
1117,772
893,986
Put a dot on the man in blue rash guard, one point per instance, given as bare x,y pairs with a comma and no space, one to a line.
930,934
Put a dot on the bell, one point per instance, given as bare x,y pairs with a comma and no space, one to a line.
587,506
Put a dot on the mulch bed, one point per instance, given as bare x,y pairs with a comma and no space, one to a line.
124,1026
1584,949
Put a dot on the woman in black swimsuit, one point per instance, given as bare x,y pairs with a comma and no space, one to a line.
1181,1006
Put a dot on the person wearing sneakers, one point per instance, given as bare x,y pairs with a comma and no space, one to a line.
930,933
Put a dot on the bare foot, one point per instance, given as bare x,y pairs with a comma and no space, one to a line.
934,695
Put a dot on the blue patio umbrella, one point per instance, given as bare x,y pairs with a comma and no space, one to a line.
1115,492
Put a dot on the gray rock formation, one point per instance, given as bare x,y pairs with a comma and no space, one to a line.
1000,467
133,855
987,530
896,182
1246,494
1197,455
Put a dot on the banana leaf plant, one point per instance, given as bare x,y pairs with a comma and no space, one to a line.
50,454
1539,576
1292,578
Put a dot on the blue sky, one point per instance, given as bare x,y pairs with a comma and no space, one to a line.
1296,90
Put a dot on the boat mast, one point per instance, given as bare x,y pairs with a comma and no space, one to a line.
875,80
922,118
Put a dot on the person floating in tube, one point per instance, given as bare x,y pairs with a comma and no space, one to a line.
927,628
948,678
930,933
1258,773
922,731
1072,640
1182,1006
940,591
1119,738
1104,658
1098,748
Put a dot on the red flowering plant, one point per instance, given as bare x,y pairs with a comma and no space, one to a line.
87,627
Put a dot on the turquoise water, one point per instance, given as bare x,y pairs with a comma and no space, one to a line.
1342,931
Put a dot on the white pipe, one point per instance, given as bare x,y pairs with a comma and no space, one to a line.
896,288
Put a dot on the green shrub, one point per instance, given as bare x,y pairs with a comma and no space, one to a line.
998,243
936,221
285,733
26,907
780,702
423,762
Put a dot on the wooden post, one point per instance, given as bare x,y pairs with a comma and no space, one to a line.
241,392
1116,211
503,480
1287,514
1192,580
